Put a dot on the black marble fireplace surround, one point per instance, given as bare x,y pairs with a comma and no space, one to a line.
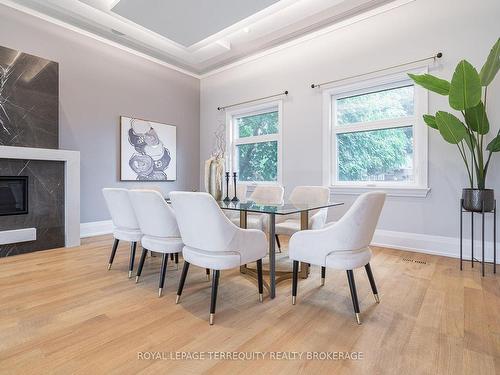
45,201
29,112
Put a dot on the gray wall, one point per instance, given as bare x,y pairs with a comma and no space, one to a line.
458,28
98,83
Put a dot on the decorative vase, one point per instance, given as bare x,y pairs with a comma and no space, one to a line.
214,171
477,200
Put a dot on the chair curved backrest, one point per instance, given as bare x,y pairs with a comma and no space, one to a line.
310,194
201,221
270,194
356,228
120,208
155,216
151,187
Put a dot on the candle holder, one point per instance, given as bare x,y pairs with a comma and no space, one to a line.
227,199
235,198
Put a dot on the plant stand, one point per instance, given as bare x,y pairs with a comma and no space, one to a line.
482,213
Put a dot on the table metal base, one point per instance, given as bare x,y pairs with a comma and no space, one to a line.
274,277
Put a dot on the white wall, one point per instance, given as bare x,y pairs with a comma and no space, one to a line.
458,28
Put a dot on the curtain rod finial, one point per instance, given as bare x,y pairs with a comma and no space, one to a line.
313,85
439,55
286,92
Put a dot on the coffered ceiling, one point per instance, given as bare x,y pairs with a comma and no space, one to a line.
198,36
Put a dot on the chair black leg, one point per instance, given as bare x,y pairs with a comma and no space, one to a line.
372,282
213,300
259,280
163,272
171,256
182,281
354,295
207,270
176,257
141,264
295,279
133,246
323,274
113,252
278,242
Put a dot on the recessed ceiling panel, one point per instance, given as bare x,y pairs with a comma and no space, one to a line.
188,21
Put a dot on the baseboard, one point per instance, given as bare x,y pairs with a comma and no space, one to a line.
435,245
421,243
96,228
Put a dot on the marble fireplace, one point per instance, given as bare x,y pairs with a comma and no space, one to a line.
39,183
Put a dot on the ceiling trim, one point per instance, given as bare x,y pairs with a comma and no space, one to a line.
78,30
244,60
315,34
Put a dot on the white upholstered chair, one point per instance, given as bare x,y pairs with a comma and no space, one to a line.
290,224
213,241
126,227
264,194
241,193
342,246
159,227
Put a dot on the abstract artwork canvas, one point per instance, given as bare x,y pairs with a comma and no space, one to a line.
29,100
148,150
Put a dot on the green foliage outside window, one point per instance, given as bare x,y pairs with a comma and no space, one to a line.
377,154
258,161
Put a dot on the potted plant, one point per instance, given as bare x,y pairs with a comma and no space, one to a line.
467,94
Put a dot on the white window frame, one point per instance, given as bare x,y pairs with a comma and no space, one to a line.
232,142
419,186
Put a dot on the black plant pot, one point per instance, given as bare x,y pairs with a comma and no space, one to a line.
478,199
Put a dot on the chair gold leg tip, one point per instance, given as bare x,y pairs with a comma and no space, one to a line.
261,297
322,281
160,291
177,299
109,266
136,279
129,274
377,299
358,319
211,319
293,300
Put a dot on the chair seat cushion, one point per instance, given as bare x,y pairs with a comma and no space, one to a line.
162,244
217,260
125,234
348,260
288,227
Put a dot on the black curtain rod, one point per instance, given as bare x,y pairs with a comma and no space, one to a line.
251,101
434,57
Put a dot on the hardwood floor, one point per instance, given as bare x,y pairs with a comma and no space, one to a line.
62,312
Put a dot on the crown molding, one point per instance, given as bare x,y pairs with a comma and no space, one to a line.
78,30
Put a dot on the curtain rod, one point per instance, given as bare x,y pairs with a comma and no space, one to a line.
434,57
251,101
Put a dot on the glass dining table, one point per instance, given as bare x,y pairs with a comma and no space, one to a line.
245,207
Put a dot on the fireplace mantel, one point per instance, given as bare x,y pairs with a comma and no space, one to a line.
71,161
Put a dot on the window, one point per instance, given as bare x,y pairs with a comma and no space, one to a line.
255,143
376,137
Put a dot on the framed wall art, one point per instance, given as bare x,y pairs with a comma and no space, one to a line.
148,150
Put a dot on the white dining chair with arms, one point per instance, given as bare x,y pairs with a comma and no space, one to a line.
213,241
125,225
290,224
342,246
158,224
265,195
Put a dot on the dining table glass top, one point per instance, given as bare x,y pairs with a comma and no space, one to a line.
285,208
